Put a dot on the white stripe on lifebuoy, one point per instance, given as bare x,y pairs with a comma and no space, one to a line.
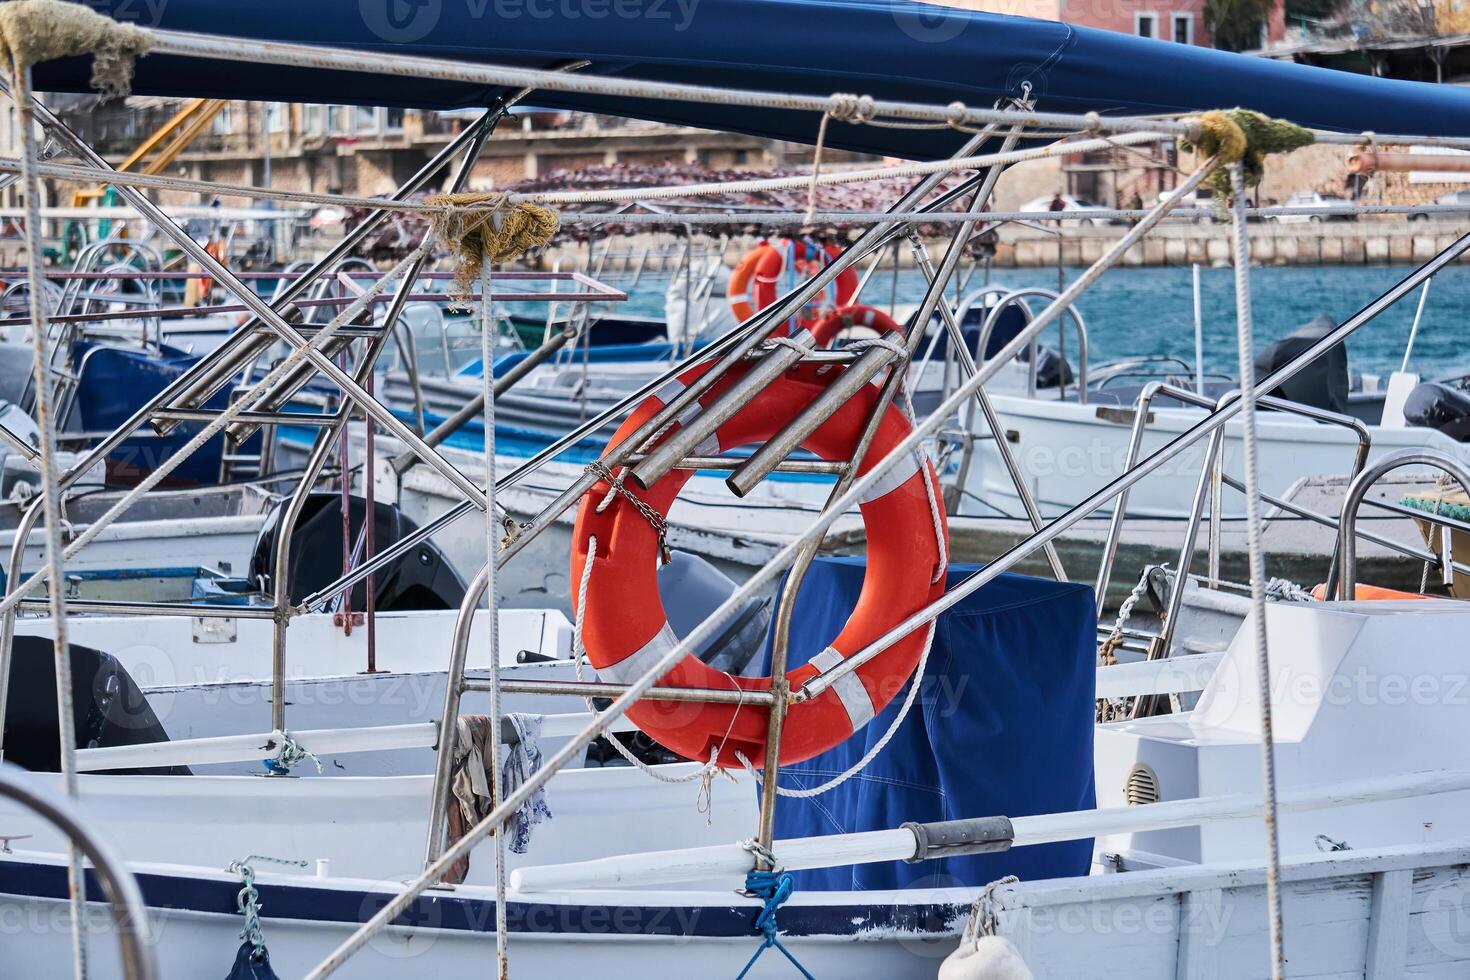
896,477
640,661
670,390
849,689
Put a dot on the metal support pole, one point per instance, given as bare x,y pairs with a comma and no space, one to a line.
321,449
966,361
1347,585
1143,706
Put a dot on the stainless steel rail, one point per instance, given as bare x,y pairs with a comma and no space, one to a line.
124,899
1346,586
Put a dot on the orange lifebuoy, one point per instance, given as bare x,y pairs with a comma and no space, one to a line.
830,324
738,291
625,628
807,260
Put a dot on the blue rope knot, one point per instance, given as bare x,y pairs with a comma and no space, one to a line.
774,888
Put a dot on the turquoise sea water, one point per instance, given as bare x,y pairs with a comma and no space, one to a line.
1133,312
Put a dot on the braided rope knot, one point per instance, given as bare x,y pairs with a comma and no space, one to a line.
32,31
479,228
773,888
851,108
1245,137
955,113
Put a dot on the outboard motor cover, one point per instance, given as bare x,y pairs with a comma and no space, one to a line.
108,708
691,588
422,579
1439,406
1321,384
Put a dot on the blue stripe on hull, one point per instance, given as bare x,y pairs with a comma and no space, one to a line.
456,914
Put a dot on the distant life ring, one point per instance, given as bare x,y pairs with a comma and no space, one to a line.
772,275
625,628
738,292
826,327
215,250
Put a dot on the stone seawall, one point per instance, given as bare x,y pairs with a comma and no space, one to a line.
1367,242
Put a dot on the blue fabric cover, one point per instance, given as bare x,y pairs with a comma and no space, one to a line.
1003,726
889,49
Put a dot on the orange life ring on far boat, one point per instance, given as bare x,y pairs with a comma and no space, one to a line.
626,630
738,291
772,270
826,327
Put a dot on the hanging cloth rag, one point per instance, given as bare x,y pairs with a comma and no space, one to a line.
471,777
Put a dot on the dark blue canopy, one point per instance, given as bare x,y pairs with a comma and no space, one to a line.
889,49
1003,725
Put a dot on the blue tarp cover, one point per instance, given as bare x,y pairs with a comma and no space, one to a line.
1003,726
889,49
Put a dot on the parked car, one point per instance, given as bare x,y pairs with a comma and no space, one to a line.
1460,198
1314,199
1076,209
1197,199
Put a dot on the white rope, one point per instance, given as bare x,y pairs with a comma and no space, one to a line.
1255,550
492,559
878,746
632,195
50,506
621,195
958,217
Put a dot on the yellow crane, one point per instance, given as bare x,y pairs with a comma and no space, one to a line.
169,140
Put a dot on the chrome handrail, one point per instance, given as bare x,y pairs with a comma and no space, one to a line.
1016,296
129,913
1345,585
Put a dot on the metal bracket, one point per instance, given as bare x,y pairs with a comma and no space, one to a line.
213,629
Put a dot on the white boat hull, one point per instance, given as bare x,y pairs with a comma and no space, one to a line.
1068,451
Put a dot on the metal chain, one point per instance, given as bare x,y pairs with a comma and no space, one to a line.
599,469
247,900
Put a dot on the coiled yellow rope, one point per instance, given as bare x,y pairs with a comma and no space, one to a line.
32,31
475,234
1245,137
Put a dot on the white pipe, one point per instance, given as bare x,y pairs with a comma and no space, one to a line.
1414,329
322,741
732,860
1172,675
1199,339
